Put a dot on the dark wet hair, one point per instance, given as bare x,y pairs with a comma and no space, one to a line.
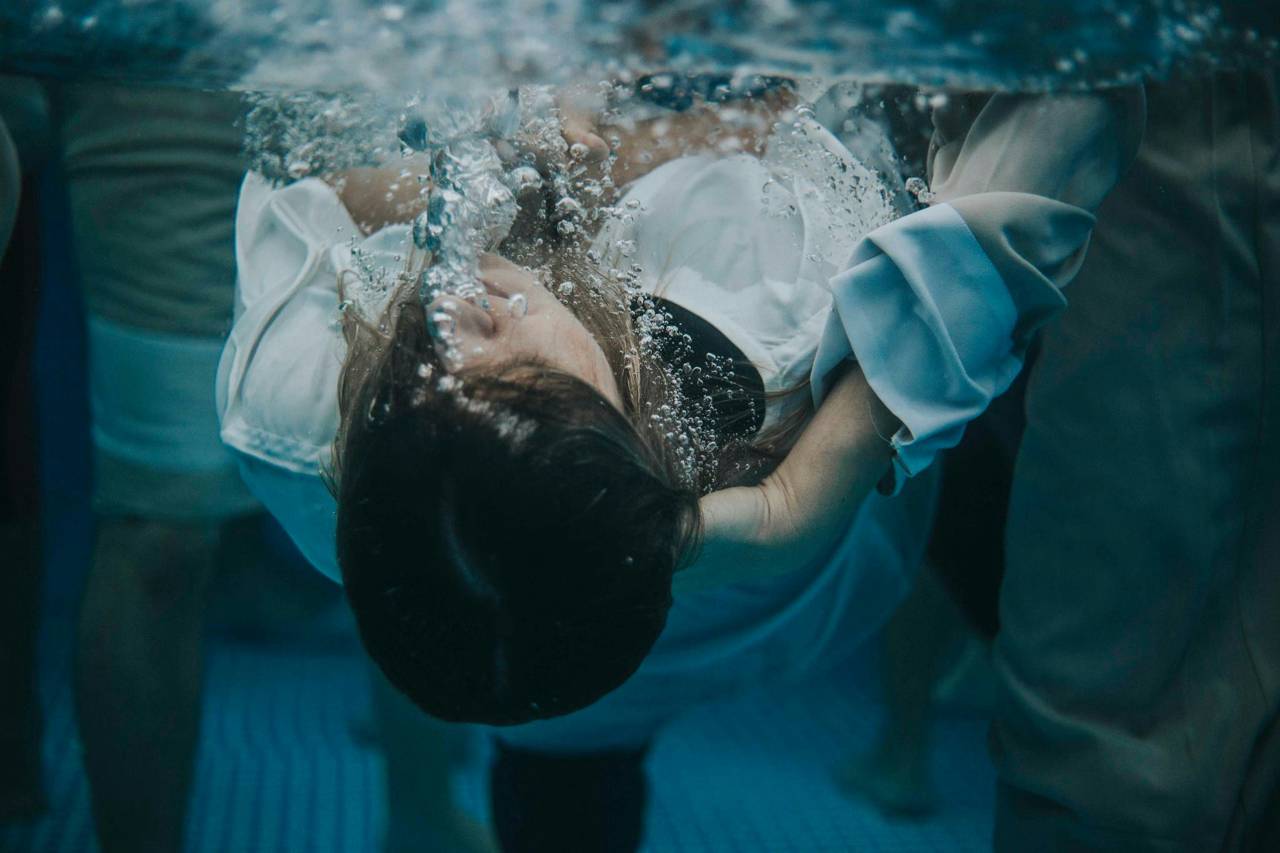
507,540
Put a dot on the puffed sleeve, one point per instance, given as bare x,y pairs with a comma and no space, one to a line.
277,380
279,367
938,307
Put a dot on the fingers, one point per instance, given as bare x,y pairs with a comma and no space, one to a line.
505,278
579,111
579,130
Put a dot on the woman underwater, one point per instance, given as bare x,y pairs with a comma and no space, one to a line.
523,474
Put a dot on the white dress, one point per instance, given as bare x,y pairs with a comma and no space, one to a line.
752,246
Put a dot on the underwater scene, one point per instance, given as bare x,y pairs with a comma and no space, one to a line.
697,426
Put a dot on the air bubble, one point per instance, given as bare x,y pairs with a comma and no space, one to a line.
568,207
517,305
919,188
443,325
421,234
525,179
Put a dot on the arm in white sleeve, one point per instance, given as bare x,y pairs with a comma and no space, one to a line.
939,306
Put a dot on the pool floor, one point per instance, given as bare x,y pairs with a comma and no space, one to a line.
282,765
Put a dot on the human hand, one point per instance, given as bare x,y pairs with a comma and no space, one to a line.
579,125
555,131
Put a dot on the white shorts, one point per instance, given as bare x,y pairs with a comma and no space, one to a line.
157,451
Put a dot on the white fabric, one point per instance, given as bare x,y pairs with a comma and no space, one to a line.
757,249
277,387
278,379
931,324
749,244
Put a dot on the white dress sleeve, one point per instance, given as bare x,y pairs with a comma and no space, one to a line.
277,387
278,376
939,306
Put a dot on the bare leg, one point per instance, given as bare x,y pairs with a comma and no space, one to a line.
138,677
420,752
896,775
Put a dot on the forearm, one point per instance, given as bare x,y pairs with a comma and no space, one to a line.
800,510
643,146
639,146
384,195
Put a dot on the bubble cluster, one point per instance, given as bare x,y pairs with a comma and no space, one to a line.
919,188
480,162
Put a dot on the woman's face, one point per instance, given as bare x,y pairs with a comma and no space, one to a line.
544,331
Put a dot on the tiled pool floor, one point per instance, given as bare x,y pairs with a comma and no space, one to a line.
281,767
